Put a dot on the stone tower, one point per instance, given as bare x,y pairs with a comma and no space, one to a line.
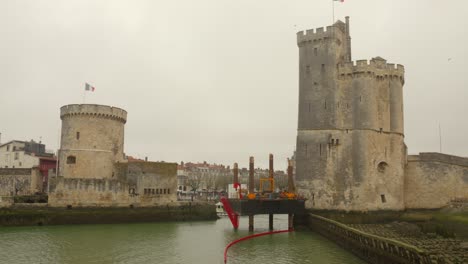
350,149
92,140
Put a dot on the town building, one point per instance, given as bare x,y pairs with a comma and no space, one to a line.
30,155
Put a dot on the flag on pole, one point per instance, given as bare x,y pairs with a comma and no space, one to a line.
88,87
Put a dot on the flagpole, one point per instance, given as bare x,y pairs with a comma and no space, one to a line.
84,95
333,12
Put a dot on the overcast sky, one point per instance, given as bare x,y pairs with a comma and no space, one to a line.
217,80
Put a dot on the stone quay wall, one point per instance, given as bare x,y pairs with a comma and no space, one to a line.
31,216
372,248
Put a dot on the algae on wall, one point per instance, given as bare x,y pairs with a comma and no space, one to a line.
59,216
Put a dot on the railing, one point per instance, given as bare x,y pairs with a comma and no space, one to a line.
374,249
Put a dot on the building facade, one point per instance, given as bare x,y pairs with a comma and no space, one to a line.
28,155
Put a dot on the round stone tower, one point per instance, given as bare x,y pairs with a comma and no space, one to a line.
92,140
350,152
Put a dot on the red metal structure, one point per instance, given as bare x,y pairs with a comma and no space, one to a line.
45,164
233,216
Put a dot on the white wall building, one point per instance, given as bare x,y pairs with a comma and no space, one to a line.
22,154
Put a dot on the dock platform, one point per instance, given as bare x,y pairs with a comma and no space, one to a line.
267,206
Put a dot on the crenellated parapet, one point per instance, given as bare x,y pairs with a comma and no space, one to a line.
319,34
93,110
376,67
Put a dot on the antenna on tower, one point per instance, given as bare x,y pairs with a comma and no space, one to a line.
440,139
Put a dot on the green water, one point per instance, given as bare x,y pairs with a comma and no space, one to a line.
194,243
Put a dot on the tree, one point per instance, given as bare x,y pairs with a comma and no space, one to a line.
194,181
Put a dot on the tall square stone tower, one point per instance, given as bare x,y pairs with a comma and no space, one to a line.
350,148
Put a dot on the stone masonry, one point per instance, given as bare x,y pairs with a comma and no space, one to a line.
350,150
93,169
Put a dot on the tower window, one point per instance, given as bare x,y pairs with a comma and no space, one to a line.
382,166
333,141
77,135
308,69
315,51
323,67
337,141
71,160
382,197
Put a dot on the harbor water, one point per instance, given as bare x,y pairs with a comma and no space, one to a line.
175,242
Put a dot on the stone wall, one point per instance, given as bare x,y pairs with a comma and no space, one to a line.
19,181
27,215
139,184
153,181
433,179
352,170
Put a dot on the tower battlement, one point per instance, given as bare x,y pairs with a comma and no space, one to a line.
102,111
376,67
321,33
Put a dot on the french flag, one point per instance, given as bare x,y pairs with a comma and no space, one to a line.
89,87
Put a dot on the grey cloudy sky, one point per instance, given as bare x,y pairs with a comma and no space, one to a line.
217,80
